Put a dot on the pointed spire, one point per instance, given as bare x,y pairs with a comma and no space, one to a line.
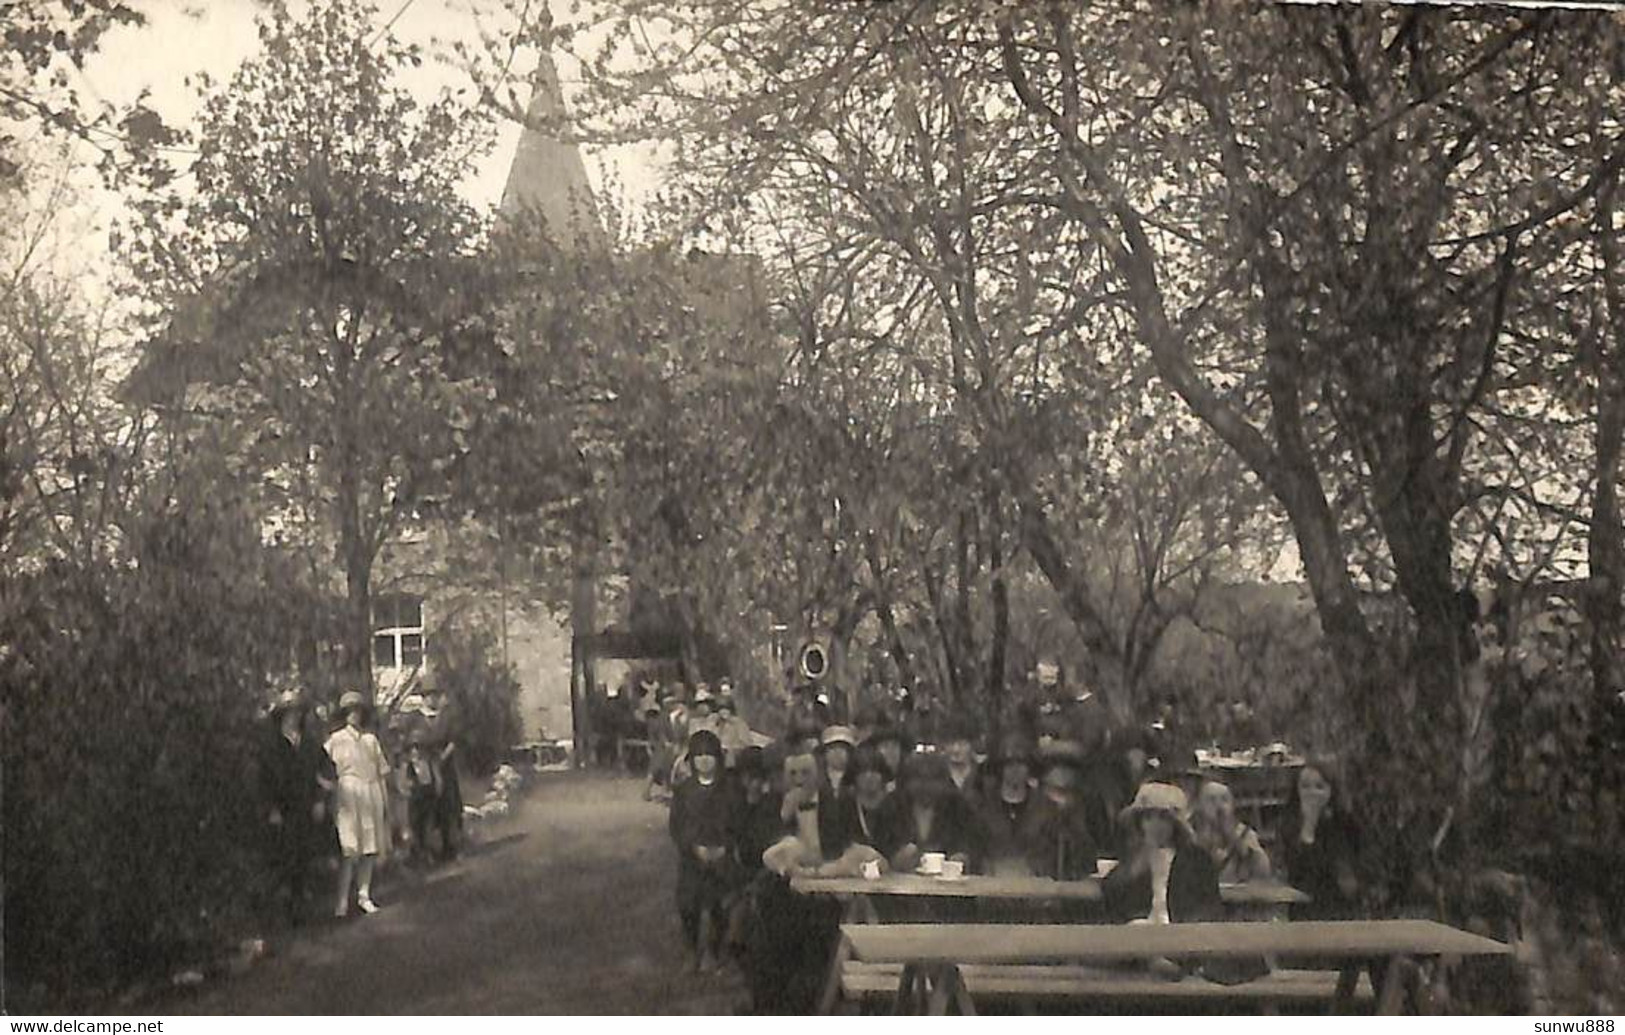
548,176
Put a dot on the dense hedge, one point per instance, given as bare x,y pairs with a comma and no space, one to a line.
131,683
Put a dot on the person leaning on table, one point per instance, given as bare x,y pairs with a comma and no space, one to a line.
1320,847
928,815
1169,878
1058,840
869,797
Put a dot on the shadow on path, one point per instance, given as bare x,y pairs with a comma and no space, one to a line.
566,907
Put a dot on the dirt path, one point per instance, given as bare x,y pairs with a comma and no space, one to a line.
566,908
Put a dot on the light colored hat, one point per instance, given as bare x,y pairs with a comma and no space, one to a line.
1157,797
838,735
351,699
703,694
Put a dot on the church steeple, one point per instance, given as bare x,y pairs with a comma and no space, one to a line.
548,176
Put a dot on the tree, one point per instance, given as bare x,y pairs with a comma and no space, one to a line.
314,278
1320,229
876,168
1349,162
39,44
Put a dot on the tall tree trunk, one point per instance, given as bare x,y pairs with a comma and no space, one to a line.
1068,582
943,621
964,629
842,681
358,557
1000,645
583,626
1606,538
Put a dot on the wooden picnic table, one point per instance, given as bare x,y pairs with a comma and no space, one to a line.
931,954
858,893
978,886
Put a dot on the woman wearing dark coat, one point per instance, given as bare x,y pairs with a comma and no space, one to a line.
441,743
1062,842
1167,878
703,824
868,815
1011,815
1320,848
295,776
927,814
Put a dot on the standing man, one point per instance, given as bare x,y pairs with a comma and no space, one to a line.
295,777
441,741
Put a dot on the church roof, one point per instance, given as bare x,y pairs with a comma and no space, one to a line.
548,177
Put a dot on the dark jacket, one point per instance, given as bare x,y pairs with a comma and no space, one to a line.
1060,843
1193,889
835,823
954,829
1316,868
290,777
868,826
703,815
759,829
1012,834
841,791
971,789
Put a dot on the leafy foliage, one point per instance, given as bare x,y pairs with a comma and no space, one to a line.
484,694
315,278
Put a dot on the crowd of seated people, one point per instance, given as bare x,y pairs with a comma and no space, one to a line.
841,800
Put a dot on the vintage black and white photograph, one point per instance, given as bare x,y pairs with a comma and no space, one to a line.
815,508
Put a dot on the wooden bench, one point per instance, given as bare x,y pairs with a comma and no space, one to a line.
1279,988
936,961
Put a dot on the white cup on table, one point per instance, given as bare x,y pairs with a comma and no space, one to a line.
953,869
931,863
871,870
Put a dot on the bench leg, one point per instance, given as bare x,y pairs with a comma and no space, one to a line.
942,986
831,995
1347,981
962,999
1391,997
907,999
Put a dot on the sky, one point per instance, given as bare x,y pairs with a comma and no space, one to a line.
184,37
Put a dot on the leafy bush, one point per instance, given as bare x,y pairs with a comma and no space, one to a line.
481,690
131,692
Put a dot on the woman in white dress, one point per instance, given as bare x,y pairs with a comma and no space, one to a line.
363,802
